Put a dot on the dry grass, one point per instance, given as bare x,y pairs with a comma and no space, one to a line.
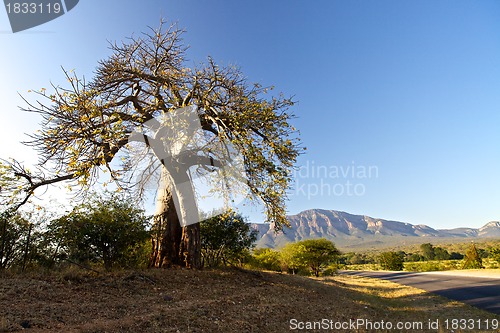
206,301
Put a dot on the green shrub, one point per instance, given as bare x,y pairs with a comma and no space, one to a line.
226,239
107,229
391,261
14,232
331,270
267,259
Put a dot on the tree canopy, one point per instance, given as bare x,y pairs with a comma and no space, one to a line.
118,122
86,124
312,254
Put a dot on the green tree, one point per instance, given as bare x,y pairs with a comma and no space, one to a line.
90,124
427,251
104,229
392,261
226,239
456,256
441,253
357,259
314,254
472,258
14,233
267,259
412,257
317,254
495,254
289,258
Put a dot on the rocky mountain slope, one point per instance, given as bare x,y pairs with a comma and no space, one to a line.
348,230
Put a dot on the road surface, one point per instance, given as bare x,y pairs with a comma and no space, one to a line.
481,292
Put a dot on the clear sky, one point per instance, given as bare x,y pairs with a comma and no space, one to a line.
404,93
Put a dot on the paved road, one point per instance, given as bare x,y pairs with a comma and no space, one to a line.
481,292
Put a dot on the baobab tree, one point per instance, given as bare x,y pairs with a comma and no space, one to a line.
92,125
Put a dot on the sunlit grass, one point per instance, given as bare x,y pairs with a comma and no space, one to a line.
406,303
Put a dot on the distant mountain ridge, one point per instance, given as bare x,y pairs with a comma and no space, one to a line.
348,230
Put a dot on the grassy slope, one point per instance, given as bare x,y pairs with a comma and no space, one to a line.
207,301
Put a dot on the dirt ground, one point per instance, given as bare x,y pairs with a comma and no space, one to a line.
185,301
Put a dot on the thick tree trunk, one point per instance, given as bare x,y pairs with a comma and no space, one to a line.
167,233
191,246
174,245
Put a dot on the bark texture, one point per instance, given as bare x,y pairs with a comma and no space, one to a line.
172,244
167,233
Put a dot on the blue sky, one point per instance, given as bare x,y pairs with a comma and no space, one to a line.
409,89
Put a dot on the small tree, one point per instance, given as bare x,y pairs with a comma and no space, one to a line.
392,261
427,251
14,233
314,254
107,229
472,258
317,254
225,239
456,256
289,258
267,259
441,253
412,257
357,259
495,254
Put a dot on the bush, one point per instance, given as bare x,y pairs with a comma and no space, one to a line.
226,239
427,251
331,269
495,254
456,256
413,257
267,259
441,254
106,229
14,232
392,261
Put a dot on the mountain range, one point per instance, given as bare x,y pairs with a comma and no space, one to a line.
363,232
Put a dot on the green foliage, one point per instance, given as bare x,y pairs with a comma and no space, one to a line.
105,229
430,266
391,261
413,257
472,258
495,254
226,239
289,259
456,256
352,258
13,236
87,123
427,251
312,254
331,269
267,259
441,254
